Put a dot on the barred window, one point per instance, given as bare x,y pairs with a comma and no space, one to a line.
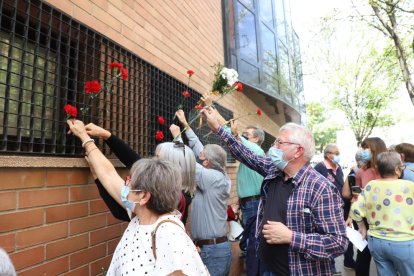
46,57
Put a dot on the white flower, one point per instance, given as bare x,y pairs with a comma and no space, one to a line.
230,75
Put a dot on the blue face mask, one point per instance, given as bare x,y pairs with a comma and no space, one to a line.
366,155
336,159
129,205
276,155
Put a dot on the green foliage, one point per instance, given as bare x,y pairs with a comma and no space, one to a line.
363,90
324,131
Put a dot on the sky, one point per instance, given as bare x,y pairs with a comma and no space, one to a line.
305,17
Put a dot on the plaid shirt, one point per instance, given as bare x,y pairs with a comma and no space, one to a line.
314,212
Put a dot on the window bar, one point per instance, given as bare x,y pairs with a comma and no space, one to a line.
46,84
65,84
57,87
76,73
8,79
105,124
87,74
21,102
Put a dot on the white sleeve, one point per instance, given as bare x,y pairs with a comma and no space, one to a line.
175,251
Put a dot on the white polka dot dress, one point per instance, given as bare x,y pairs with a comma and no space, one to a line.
174,249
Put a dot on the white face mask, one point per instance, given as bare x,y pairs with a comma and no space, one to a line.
276,155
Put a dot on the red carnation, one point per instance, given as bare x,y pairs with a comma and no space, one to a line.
161,120
159,135
190,73
71,111
259,112
124,73
115,64
185,94
199,107
239,86
92,87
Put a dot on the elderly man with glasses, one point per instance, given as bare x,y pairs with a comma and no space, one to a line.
300,226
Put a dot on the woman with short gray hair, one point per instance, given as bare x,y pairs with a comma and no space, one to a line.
155,241
387,204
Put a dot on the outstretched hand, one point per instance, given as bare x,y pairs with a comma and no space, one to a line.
181,117
175,130
97,131
206,99
78,129
211,117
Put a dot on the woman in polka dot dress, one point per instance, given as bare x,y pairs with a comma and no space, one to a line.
155,241
387,204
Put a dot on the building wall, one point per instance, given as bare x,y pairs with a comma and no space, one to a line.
52,219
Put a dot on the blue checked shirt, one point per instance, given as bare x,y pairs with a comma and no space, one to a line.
314,213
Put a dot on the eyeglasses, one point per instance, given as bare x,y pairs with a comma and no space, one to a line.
335,153
128,182
178,144
279,142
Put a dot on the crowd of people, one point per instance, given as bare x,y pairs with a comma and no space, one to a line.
294,215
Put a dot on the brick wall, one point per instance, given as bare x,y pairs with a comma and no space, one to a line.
53,221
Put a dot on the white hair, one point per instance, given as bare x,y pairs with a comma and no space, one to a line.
301,135
6,266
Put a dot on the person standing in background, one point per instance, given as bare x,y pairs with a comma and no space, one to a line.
406,152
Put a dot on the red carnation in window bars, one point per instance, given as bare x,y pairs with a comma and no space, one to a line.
122,70
71,111
92,87
159,135
161,120
186,94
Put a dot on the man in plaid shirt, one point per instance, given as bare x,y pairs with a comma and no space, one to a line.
300,227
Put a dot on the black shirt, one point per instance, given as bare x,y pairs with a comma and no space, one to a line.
275,256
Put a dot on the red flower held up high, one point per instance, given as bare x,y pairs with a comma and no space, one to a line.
259,112
239,87
190,72
161,120
159,135
71,111
92,87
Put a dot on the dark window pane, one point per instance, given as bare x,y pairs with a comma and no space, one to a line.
247,33
248,73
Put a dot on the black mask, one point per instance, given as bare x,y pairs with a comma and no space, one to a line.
245,137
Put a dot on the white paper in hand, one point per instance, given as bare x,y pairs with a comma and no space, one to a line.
355,237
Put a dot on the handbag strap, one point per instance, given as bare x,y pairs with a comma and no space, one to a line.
153,234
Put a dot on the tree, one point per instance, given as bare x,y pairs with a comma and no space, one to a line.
324,132
360,72
363,89
394,19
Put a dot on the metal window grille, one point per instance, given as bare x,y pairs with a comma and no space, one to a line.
46,57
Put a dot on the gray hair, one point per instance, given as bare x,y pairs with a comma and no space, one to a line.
328,149
301,135
162,179
6,265
257,132
358,158
184,157
217,156
387,162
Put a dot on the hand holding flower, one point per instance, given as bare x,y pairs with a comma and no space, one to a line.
206,99
175,131
211,116
78,129
181,117
96,131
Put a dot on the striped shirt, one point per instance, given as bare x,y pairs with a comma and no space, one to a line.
314,212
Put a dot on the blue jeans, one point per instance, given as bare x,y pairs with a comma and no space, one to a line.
249,209
217,258
392,256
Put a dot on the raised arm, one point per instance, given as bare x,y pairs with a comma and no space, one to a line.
124,153
193,142
261,164
103,168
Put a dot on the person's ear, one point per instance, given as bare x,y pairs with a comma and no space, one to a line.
145,199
